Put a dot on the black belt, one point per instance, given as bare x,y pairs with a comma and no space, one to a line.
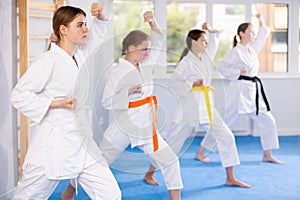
257,80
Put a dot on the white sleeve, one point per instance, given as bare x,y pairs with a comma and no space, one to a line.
114,99
227,66
95,37
180,79
28,96
155,48
260,39
213,44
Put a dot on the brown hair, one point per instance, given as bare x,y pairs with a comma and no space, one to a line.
134,38
64,16
194,34
242,28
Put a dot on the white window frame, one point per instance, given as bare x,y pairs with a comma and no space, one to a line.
160,7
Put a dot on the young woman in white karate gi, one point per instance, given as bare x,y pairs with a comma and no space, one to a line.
241,66
128,83
44,95
128,93
194,70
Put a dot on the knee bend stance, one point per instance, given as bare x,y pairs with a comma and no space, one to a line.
34,184
167,161
98,182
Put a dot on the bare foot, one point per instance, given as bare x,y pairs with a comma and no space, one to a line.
236,183
66,196
149,179
202,158
271,159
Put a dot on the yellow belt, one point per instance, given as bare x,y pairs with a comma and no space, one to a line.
206,90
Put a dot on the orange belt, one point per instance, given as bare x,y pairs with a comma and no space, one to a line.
154,118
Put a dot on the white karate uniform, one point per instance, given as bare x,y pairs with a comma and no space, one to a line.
192,111
240,94
133,125
56,151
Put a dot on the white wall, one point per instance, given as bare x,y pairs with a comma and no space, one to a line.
283,95
9,173
8,130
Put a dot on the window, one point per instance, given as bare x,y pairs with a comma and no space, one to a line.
227,18
273,56
181,17
178,17
127,17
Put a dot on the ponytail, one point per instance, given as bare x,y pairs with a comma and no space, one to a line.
184,53
242,28
194,34
234,41
53,38
49,46
63,16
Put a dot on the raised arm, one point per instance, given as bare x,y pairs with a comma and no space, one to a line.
157,38
261,35
97,11
97,30
213,42
149,17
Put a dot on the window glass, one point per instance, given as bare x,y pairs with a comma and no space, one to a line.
128,15
185,15
227,18
273,55
181,17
